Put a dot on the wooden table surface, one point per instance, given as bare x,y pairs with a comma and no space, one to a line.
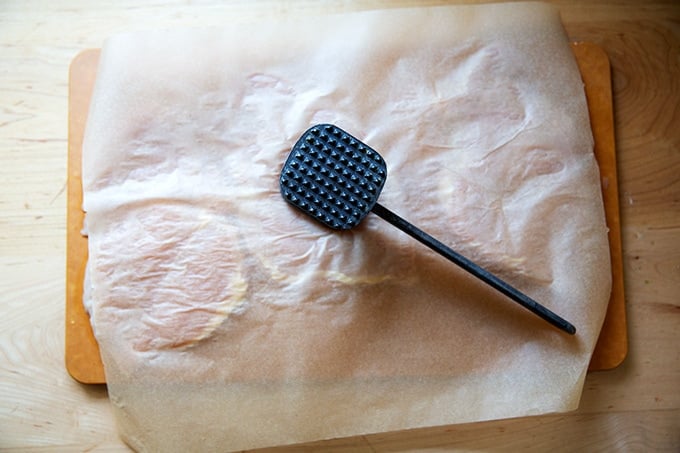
635,407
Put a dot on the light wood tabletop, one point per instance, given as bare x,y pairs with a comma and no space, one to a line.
635,407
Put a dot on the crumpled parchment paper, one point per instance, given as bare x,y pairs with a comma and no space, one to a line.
228,320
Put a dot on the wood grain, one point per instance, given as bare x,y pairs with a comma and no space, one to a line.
634,407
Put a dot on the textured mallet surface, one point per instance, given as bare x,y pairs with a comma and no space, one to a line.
333,177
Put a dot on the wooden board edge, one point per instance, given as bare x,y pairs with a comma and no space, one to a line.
612,345
82,356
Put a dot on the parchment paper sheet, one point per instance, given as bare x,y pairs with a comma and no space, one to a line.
227,320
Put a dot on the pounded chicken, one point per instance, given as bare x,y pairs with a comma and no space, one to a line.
229,320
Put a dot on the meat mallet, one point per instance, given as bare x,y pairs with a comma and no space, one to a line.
336,179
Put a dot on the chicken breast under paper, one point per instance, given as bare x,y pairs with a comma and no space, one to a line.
229,320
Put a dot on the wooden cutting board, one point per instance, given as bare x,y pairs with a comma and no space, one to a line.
83,361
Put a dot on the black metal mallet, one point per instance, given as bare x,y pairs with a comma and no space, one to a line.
336,179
